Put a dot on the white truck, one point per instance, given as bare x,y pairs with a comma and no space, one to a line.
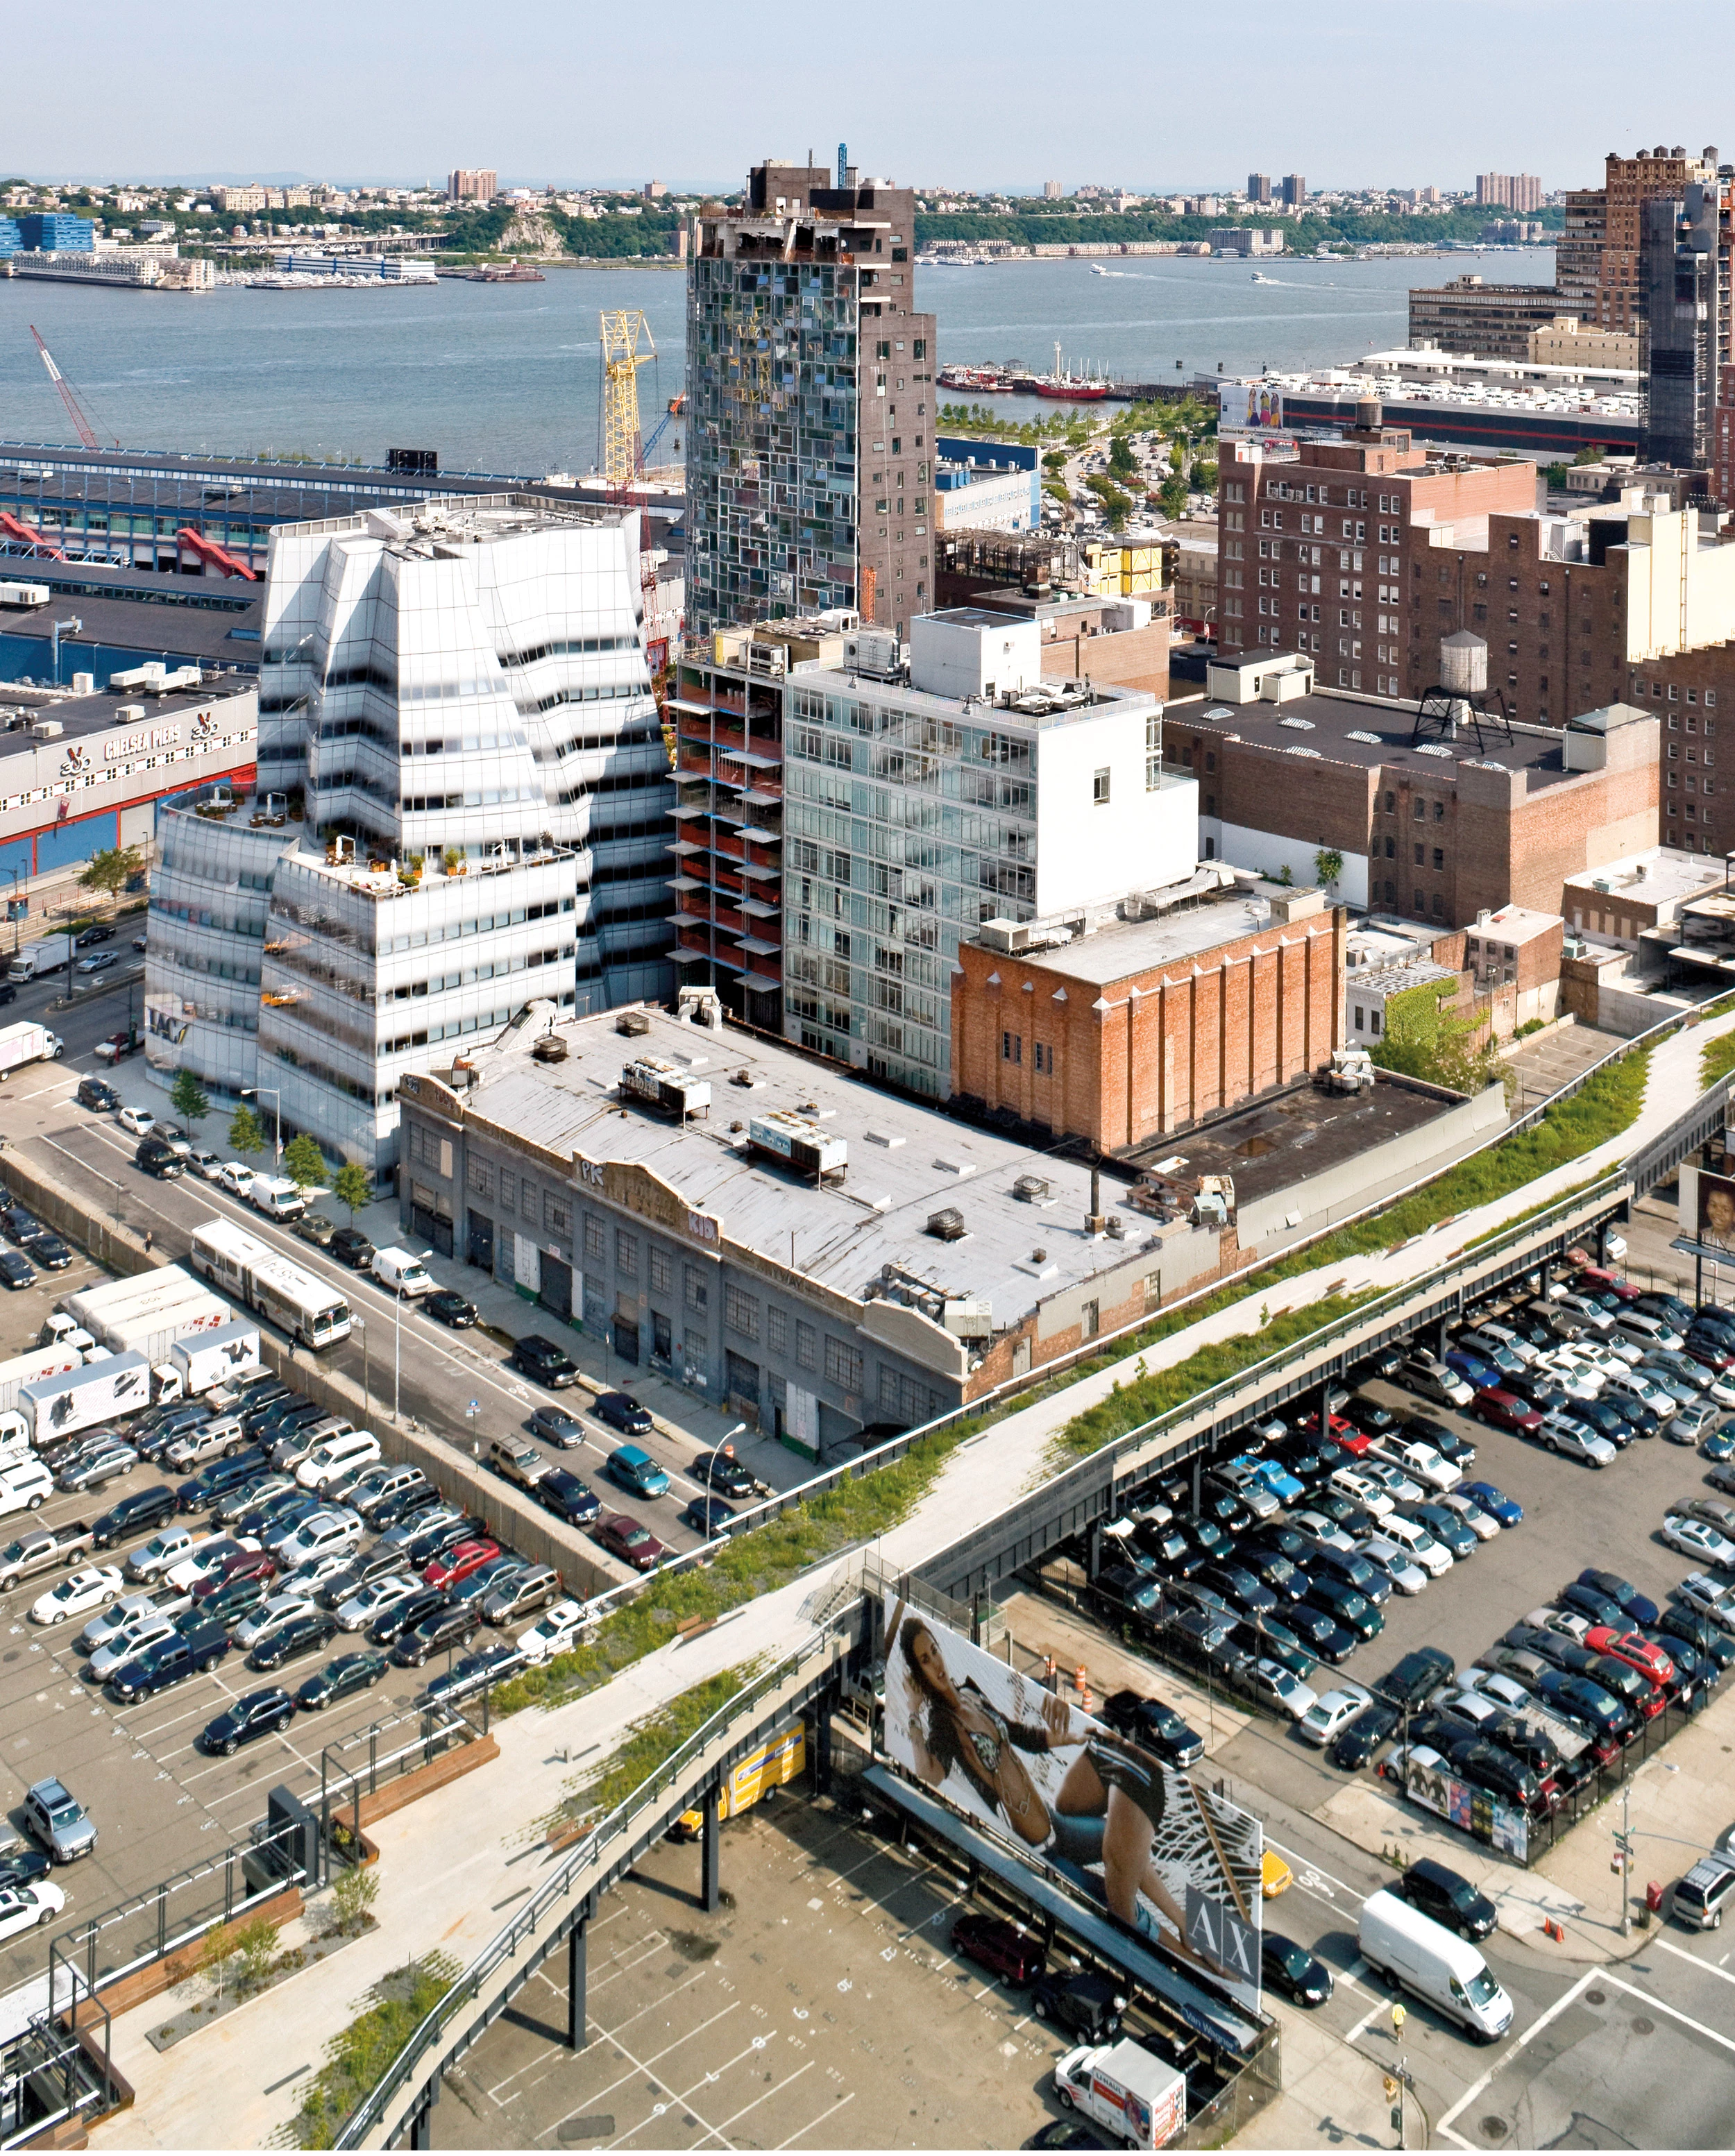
22,1370
51,955
1125,2090
149,1312
27,1042
277,1197
78,1399
1407,1948
205,1361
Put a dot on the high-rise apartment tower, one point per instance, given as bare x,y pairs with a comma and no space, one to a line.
810,418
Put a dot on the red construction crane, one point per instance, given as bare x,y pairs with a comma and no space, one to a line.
75,411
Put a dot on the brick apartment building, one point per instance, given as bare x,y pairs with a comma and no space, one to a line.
1484,321
1142,1025
1439,831
1321,553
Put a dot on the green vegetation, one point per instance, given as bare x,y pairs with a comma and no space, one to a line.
1116,503
305,1163
1173,494
353,1188
659,1737
1422,1039
1121,462
359,2053
1589,456
189,1100
974,419
1717,1059
1327,866
352,1900
112,869
245,1135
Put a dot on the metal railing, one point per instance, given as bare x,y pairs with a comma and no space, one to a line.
351,1766
489,1975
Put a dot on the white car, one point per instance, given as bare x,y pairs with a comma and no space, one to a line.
333,1456
1505,1691
321,1534
26,1908
1279,1687
1568,1623
170,1546
236,1176
1331,1711
1362,1490
307,1579
1419,1460
1396,1484
1565,1433
268,1614
1325,1531
139,1121
91,1588
1575,1378
1398,1565
1712,1598
377,1596
207,1554
555,1631
1467,1703
1699,1540
142,1632
205,1162
1483,1525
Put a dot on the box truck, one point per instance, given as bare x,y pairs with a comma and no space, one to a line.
1410,1949
26,1043
149,1313
51,955
205,1361
78,1399
20,1370
1125,2090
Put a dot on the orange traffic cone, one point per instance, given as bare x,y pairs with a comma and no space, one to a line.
1082,1684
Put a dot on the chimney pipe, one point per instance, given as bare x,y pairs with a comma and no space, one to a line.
1095,1222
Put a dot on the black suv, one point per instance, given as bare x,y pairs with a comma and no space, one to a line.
1088,2007
453,1624
1422,1671
389,1626
568,1498
351,1248
724,1473
159,1158
133,1516
1159,1729
542,1360
96,1093
1448,1896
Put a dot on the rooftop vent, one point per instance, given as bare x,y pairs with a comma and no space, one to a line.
550,1049
634,1022
947,1225
1031,1189
1373,741
1436,748
1300,726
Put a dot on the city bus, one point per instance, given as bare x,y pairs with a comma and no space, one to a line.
311,1311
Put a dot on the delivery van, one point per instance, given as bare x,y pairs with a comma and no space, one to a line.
1411,1950
402,1271
1125,2090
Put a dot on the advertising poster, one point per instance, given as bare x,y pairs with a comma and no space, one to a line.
1162,1855
1245,408
1717,1212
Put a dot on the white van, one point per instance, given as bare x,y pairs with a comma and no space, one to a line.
402,1271
1417,1544
277,1197
333,1456
1411,1950
1132,2094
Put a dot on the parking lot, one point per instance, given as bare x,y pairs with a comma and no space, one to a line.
824,2010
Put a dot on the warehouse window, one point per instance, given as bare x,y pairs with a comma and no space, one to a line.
595,1247
843,1363
807,1344
626,1254
660,1270
480,1176
556,1214
777,1330
740,1312
698,1289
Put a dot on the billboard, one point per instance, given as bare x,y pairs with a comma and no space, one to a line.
1175,1864
1715,1225
1248,407
1478,1812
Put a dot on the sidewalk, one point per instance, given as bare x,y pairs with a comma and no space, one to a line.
461,1843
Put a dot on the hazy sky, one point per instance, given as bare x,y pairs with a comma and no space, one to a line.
1345,92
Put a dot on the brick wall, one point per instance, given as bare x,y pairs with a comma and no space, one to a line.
1132,1059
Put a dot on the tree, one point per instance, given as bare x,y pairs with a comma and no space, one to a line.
305,1163
189,1099
1423,1039
245,1135
111,869
1121,462
354,1187
1327,866
1173,495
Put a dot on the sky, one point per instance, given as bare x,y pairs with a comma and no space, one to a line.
1344,91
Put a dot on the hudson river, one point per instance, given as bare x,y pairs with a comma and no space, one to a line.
505,378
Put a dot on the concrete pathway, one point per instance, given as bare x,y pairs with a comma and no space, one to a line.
451,1867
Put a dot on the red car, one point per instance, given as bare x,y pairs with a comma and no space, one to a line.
1707,1358
1000,1948
243,1564
1597,1279
1341,1432
460,1561
1506,1411
1634,1649
621,1535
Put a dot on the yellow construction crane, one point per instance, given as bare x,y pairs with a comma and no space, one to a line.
627,346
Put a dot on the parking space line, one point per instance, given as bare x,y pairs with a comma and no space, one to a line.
848,2098
766,2095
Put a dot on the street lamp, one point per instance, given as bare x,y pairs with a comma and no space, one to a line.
253,1093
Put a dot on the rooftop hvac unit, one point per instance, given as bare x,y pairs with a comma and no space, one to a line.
874,652
128,715
1031,1189
48,729
947,1225
633,1022
800,1141
664,1087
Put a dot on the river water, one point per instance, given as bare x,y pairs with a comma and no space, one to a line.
506,378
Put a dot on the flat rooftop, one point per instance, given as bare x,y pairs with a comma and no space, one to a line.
1661,875
443,522
80,717
1273,1143
127,620
1370,732
1514,925
905,1162
1118,949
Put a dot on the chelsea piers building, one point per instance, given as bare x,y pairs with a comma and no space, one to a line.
462,808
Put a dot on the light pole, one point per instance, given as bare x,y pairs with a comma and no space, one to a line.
255,1092
357,1324
16,914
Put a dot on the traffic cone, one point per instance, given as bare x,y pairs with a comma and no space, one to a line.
1082,1684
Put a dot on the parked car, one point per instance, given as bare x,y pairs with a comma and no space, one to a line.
621,1412
1154,1726
568,1498
351,1248
635,1470
1003,1949
59,1821
542,1360
1355,1745
556,1426
622,1536
452,1309
359,1671
1089,2007
453,1625
256,1714
723,1472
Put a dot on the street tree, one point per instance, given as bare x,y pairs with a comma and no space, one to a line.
110,870
305,1163
245,1135
354,1187
189,1100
